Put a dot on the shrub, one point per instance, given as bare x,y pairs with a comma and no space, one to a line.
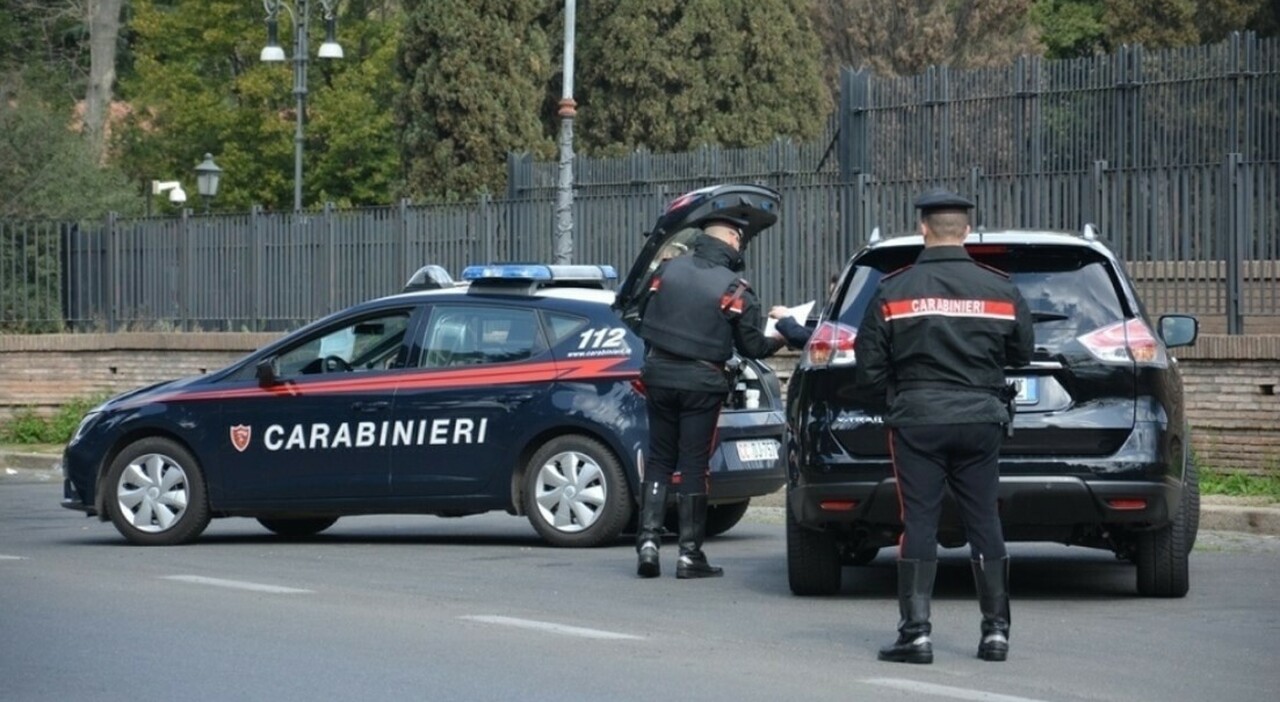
28,427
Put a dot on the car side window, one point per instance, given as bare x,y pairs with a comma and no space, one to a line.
472,335
371,343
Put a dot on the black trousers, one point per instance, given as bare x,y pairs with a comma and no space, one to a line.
925,460
682,436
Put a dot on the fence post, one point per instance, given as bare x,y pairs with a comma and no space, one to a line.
331,261
1097,195
407,266
486,226
1233,213
184,270
854,149
257,256
975,177
113,272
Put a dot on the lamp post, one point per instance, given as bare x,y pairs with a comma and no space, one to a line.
300,15
568,110
208,176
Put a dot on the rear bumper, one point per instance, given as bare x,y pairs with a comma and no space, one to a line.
739,469
1031,502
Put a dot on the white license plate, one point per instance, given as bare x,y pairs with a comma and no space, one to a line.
1028,390
762,450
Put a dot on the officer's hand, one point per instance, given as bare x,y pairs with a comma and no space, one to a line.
778,312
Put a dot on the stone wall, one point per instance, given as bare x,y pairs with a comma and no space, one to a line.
1231,382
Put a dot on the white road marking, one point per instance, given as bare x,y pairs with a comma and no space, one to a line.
958,693
550,627
12,558
237,585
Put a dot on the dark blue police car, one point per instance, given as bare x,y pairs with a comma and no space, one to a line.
517,390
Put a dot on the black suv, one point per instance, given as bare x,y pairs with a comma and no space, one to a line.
1099,456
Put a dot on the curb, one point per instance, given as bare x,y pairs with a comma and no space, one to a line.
1216,513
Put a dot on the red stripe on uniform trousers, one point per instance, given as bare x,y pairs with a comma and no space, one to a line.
948,307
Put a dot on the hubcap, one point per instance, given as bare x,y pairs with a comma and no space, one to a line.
570,491
152,493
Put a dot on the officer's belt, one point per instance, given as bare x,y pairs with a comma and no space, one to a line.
655,352
943,385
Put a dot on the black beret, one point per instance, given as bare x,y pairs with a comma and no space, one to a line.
939,199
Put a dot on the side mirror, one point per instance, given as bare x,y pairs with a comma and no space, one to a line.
1179,329
267,372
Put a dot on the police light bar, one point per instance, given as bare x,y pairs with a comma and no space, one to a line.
537,273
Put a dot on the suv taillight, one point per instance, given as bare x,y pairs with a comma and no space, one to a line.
1126,342
831,345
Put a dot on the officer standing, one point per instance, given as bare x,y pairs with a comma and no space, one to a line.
697,311
935,341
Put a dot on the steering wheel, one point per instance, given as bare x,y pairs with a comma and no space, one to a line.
336,363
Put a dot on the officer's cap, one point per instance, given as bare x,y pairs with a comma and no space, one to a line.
942,200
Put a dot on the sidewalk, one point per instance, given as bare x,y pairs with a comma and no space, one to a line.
1217,512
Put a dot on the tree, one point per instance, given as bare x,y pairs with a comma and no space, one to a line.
1070,28
474,73
47,171
104,30
672,75
198,86
1152,23
906,37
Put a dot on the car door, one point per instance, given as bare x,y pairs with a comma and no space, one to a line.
320,430
458,425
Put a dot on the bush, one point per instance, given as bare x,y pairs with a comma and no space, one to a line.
28,427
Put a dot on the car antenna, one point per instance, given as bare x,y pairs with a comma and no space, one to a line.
1090,232
875,235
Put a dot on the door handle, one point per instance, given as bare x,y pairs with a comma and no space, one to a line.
376,406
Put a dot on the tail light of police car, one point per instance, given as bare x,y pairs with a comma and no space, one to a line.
637,385
1130,341
831,345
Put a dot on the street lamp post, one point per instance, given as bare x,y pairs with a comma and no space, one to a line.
274,53
568,110
208,176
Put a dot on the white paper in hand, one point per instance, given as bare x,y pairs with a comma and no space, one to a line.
800,313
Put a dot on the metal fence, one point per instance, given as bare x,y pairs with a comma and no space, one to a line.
1175,155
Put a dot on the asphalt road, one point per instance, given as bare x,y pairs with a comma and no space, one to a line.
421,608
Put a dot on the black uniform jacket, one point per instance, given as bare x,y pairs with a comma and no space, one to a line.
937,336
695,313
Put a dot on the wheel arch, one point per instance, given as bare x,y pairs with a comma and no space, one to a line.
519,470
123,442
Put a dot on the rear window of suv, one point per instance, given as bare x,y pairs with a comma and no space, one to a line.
1070,290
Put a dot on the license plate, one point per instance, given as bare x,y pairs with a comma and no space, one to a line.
1028,391
762,450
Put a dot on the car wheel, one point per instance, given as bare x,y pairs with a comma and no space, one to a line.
1162,556
157,493
297,528
813,561
575,492
722,518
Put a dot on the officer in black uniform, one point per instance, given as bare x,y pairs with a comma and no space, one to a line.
934,342
697,311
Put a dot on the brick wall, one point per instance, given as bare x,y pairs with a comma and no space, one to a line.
1232,383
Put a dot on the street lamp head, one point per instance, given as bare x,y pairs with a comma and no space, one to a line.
208,176
330,49
272,52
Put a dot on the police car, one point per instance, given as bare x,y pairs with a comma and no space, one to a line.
517,390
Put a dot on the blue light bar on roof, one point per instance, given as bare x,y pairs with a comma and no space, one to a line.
538,272
507,271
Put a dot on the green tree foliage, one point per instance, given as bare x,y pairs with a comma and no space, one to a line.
1070,28
906,37
48,171
44,48
474,74
198,86
1152,23
671,75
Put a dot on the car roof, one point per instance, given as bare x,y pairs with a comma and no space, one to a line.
592,295
1001,236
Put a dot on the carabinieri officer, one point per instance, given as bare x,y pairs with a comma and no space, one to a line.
934,342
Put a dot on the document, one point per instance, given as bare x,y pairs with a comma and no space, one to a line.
800,313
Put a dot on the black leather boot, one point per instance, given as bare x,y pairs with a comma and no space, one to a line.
653,510
915,587
692,510
992,580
